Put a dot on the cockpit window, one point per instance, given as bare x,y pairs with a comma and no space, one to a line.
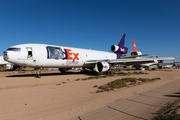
14,49
55,53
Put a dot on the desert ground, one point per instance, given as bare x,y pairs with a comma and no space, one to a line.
57,96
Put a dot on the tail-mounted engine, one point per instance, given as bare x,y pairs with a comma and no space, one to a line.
117,49
135,53
102,66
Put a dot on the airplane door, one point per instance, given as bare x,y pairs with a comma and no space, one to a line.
29,52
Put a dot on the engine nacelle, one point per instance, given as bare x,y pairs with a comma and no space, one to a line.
135,53
117,49
114,48
9,66
102,66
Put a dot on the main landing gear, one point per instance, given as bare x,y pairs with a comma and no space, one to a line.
38,73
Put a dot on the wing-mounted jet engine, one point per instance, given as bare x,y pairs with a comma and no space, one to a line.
102,67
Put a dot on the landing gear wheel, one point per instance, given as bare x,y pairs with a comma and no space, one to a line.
38,73
109,72
38,76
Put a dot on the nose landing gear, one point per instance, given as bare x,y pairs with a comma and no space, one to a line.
38,73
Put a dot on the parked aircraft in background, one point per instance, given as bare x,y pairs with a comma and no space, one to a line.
64,58
7,65
146,65
2,62
135,51
169,64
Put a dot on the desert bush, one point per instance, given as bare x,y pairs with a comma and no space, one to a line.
129,79
143,79
77,79
119,83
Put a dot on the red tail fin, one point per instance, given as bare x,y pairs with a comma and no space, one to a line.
134,47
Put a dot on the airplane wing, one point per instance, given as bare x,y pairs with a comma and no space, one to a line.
141,59
129,60
134,56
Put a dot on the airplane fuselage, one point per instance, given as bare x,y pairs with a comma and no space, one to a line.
42,55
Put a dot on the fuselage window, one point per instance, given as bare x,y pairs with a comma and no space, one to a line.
55,53
14,49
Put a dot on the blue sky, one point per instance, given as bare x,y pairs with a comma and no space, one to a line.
95,24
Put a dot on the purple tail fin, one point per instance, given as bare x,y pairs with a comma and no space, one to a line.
122,41
120,49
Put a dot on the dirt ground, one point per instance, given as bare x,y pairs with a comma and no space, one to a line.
58,96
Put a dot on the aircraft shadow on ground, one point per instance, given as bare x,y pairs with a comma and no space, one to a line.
48,74
176,95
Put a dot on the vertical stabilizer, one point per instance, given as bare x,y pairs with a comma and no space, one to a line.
122,41
134,46
135,51
119,49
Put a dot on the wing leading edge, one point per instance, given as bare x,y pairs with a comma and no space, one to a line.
128,60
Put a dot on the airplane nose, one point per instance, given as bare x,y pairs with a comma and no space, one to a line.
5,56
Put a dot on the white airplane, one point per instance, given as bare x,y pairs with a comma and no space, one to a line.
2,62
143,65
52,56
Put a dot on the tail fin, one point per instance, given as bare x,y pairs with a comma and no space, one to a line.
122,49
134,47
119,49
122,41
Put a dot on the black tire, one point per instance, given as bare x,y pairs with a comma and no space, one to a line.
38,76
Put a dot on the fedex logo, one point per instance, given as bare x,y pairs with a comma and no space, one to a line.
70,55
105,66
123,50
